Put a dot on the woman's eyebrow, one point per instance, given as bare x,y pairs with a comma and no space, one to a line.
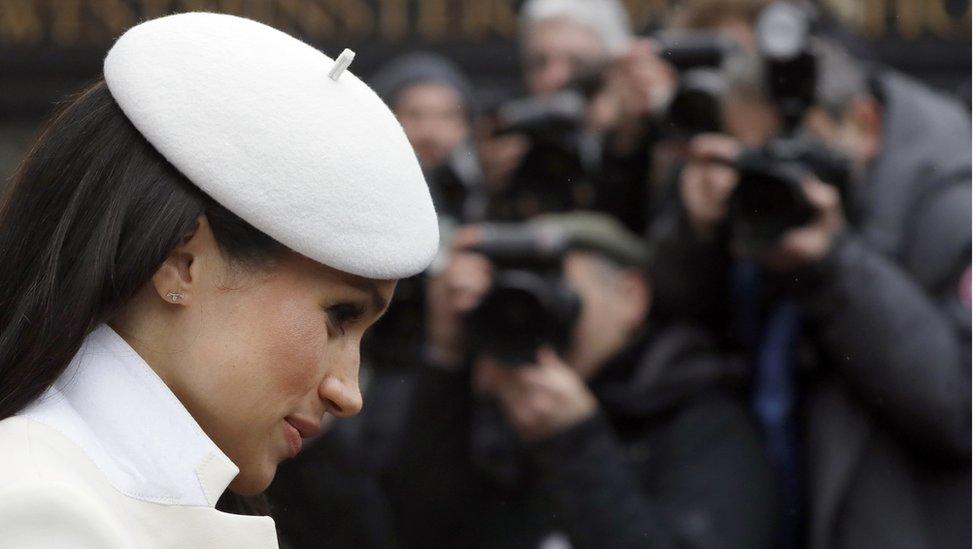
379,303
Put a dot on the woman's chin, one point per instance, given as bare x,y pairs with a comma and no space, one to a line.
252,483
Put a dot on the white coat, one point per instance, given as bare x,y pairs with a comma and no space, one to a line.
109,458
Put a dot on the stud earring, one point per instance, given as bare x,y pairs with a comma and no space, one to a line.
175,297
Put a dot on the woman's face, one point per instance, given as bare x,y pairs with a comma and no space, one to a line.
259,356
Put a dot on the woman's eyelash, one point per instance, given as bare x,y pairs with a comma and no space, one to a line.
344,314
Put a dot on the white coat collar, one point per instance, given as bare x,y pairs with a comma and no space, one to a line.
114,406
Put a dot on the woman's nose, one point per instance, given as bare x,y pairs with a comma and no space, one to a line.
339,389
341,394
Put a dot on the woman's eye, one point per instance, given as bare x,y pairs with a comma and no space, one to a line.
343,315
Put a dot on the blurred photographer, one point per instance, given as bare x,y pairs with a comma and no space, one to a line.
858,318
581,138
588,429
434,102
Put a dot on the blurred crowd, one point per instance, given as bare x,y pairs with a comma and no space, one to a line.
709,287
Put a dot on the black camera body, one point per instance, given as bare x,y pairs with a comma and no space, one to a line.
696,106
555,172
769,199
690,50
529,304
783,35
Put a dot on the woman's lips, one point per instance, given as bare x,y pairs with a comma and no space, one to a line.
293,437
298,427
307,428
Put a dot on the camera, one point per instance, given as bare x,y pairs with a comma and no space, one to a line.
529,304
695,106
783,37
769,198
555,173
562,161
686,51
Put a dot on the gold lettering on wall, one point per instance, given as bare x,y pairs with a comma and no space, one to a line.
908,18
196,5
356,19
874,18
20,22
66,22
236,7
254,9
151,9
851,13
309,18
432,20
937,19
394,20
98,22
504,19
115,16
476,19
941,23
481,19
647,13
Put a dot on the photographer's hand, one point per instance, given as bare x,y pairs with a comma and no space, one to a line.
811,243
539,400
452,293
638,86
706,183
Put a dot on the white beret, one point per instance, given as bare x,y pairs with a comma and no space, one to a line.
252,117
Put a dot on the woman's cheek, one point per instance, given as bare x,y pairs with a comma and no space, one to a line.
297,340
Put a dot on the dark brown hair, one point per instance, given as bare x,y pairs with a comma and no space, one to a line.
89,217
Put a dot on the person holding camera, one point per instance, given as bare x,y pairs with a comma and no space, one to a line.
858,319
580,139
610,434
435,102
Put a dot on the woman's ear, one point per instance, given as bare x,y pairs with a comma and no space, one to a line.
178,279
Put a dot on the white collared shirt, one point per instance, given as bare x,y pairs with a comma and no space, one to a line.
110,432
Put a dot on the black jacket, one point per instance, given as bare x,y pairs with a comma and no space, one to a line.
671,460
886,393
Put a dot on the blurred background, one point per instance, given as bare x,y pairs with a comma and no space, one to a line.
704,281
49,48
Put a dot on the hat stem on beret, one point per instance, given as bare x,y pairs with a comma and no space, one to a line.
176,83
342,63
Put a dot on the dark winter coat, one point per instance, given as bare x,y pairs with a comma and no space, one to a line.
671,460
885,392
